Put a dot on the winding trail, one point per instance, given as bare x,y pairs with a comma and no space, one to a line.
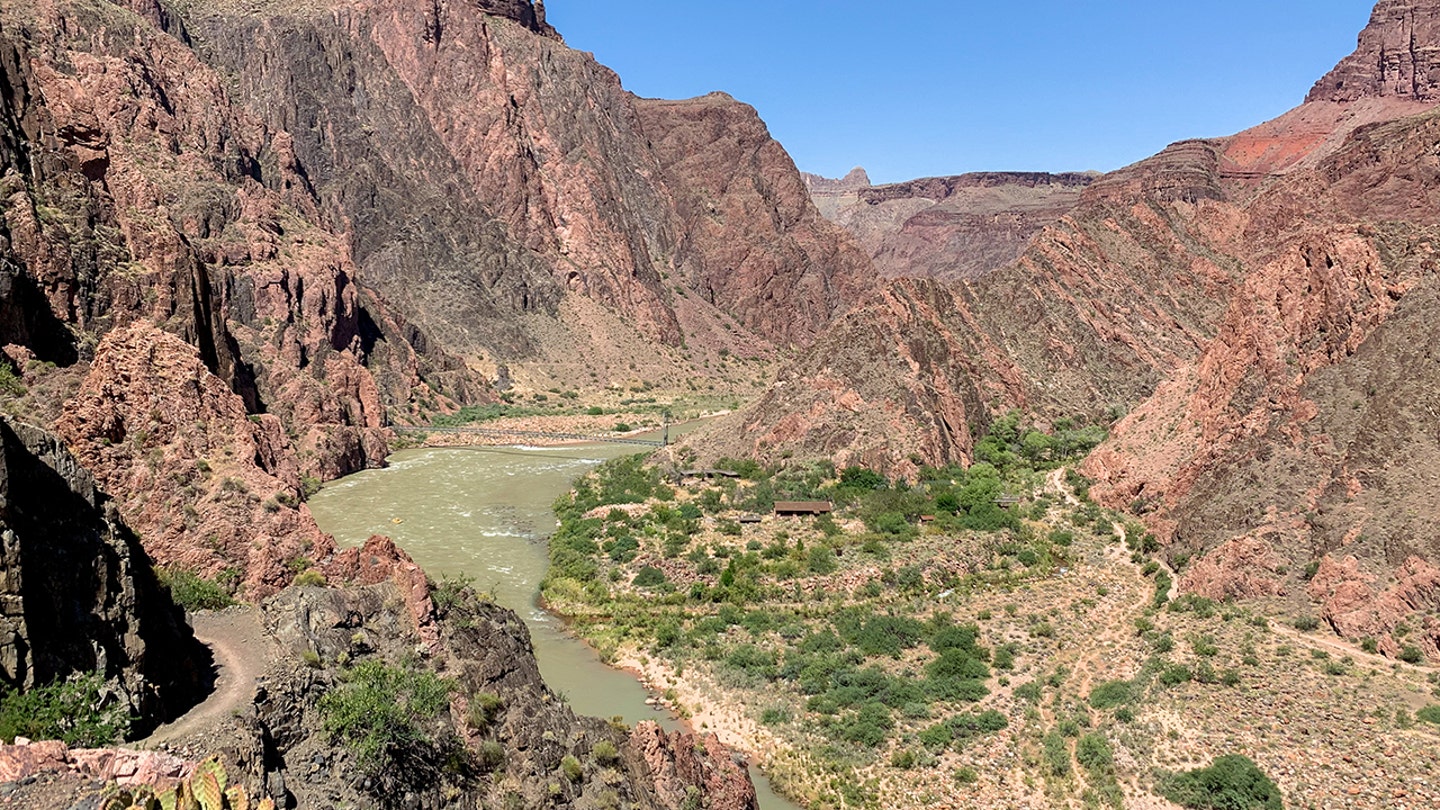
241,655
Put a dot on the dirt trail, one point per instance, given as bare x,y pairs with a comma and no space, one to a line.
1335,644
241,655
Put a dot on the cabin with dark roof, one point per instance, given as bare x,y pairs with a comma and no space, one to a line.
800,508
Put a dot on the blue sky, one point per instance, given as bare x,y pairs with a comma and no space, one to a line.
933,87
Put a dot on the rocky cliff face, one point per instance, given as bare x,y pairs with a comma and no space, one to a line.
211,488
503,738
485,174
1255,303
948,227
1398,55
79,594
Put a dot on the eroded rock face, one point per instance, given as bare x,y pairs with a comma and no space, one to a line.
679,763
210,488
485,649
1398,55
79,594
491,172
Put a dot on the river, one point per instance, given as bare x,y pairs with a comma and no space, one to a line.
485,513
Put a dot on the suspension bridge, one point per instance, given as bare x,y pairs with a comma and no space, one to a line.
538,435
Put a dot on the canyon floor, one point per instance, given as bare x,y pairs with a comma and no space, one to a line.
754,633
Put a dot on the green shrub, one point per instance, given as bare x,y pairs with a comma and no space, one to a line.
193,592
10,381
491,755
649,577
1057,754
605,752
1305,624
485,707
1411,654
967,776
776,715
1175,675
381,712
1112,694
1429,714
821,560
571,768
77,712
868,727
1232,782
310,577
1094,753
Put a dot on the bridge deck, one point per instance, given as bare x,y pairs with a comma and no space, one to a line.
527,434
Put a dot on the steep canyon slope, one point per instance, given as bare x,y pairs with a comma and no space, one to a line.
1257,306
490,178
239,240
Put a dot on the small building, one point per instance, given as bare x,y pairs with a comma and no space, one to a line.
750,518
797,508
1007,501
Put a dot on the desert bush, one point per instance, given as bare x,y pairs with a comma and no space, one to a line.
605,752
1232,782
381,712
1057,754
649,577
1112,694
193,592
1094,753
822,561
75,711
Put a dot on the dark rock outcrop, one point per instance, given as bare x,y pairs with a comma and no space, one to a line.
79,595
486,651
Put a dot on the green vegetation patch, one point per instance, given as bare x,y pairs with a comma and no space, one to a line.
1232,782
381,713
76,711
193,592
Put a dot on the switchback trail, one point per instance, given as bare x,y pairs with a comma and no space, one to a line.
241,656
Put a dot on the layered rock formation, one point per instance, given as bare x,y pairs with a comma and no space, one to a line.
1257,304
947,227
210,488
1397,56
330,206
79,594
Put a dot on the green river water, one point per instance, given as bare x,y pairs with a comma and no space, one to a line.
485,513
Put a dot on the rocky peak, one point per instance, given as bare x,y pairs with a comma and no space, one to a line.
856,179
1398,56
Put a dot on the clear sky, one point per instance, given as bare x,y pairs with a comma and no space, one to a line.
934,87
